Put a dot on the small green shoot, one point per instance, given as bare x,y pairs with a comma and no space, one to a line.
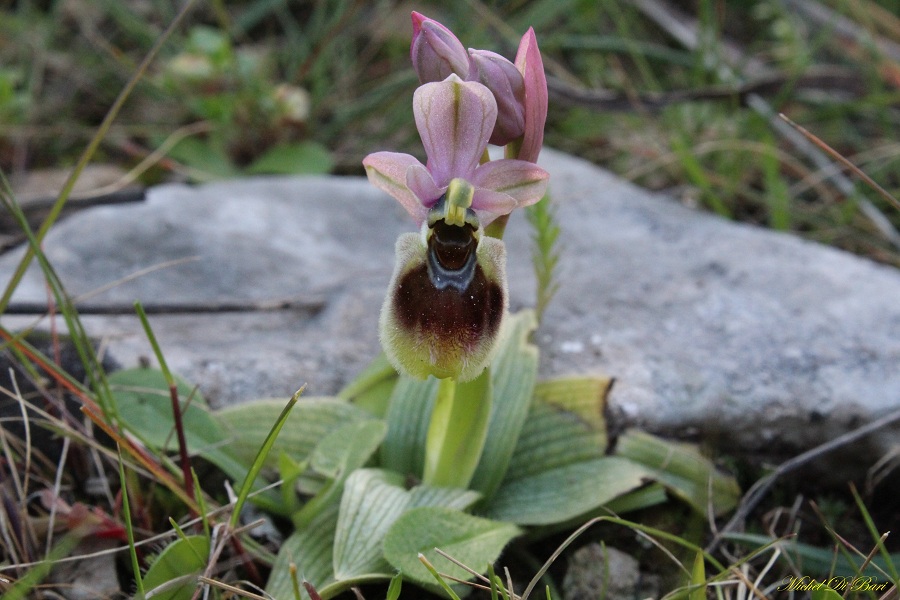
437,576
545,254
393,592
259,461
698,579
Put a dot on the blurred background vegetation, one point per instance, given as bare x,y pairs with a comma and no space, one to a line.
680,96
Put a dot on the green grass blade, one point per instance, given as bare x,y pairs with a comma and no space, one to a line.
126,510
876,536
260,459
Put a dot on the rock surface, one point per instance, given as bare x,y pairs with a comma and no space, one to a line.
594,571
749,338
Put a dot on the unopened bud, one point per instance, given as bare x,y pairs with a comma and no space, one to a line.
435,51
508,87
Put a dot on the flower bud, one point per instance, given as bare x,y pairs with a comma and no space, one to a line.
531,65
435,51
447,296
507,85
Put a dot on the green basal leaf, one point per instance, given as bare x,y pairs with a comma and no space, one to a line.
457,431
474,541
184,558
513,373
408,415
565,492
565,426
373,387
644,497
144,407
312,419
347,448
583,396
372,500
307,158
339,454
683,470
426,495
310,548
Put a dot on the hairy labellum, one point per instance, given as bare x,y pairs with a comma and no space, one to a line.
446,301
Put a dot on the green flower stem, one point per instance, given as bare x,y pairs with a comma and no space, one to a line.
457,431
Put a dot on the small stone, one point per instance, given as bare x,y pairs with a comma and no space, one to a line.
598,571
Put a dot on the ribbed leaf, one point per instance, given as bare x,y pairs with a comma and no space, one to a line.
562,493
584,396
183,557
554,437
372,388
145,407
407,418
683,470
513,374
339,454
347,448
474,541
426,495
371,502
310,549
249,423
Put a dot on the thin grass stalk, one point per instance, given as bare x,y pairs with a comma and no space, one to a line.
186,470
129,529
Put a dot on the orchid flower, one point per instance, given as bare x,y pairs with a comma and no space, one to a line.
448,294
455,119
449,285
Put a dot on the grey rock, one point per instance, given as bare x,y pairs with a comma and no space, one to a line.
748,338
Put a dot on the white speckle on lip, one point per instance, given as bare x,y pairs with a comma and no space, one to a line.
596,339
571,347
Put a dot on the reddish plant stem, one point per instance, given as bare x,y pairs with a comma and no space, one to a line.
182,441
